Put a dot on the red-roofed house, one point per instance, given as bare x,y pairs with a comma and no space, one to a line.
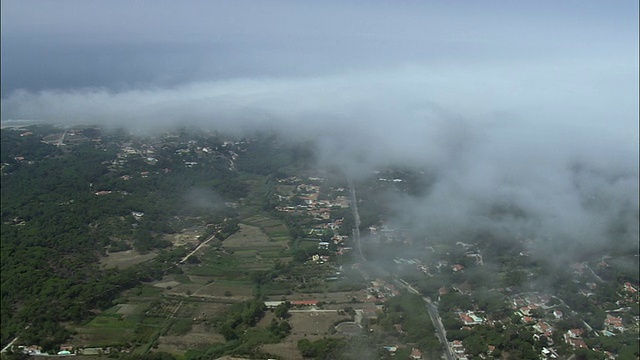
305,302
575,333
629,288
613,323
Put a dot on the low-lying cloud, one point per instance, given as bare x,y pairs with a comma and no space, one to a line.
526,118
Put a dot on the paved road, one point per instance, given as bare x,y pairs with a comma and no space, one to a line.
435,318
431,308
4,350
60,141
357,241
198,248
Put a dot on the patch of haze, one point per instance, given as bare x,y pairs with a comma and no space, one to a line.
557,143
203,199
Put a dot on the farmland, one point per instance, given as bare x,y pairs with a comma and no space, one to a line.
176,313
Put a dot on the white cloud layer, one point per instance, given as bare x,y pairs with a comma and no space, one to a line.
531,106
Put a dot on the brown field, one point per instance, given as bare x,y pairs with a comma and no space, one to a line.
197,338
249,237
305,325
166,284
219,289
125,259
254,249
127,309
186,236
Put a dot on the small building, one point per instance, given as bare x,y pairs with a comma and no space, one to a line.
614,323
557,314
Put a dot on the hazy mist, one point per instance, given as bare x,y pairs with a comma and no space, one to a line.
531,107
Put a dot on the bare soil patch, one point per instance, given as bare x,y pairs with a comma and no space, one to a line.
348,328
166,284
222,289
197,338
127,309
251,237
186,236
305,325
125,259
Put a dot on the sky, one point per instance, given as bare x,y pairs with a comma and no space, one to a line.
530,103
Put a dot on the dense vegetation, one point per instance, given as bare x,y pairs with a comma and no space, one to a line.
55,226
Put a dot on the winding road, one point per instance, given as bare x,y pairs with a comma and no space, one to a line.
432,309
198,248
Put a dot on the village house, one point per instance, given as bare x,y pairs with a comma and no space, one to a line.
629,288
458,349
457,268
573,337
557,314
469,318
543,327
613,323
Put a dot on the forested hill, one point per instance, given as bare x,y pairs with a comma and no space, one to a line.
69,196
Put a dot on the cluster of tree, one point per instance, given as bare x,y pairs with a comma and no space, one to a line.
271,155
240,317
409,311
326,348
55,228
242,336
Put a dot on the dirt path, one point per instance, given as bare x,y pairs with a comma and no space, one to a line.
198,248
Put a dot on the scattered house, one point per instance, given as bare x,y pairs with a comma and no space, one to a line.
416,354
323,245
458,349
137,214
573,337
576,343
26,134
525,311
575,333
629,288
469,318
549,353
391,349
543,327
557,314
31,350
490,349
103,192
305,302
272,304
457,267
613,323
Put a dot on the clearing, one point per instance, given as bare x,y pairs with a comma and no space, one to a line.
125,259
